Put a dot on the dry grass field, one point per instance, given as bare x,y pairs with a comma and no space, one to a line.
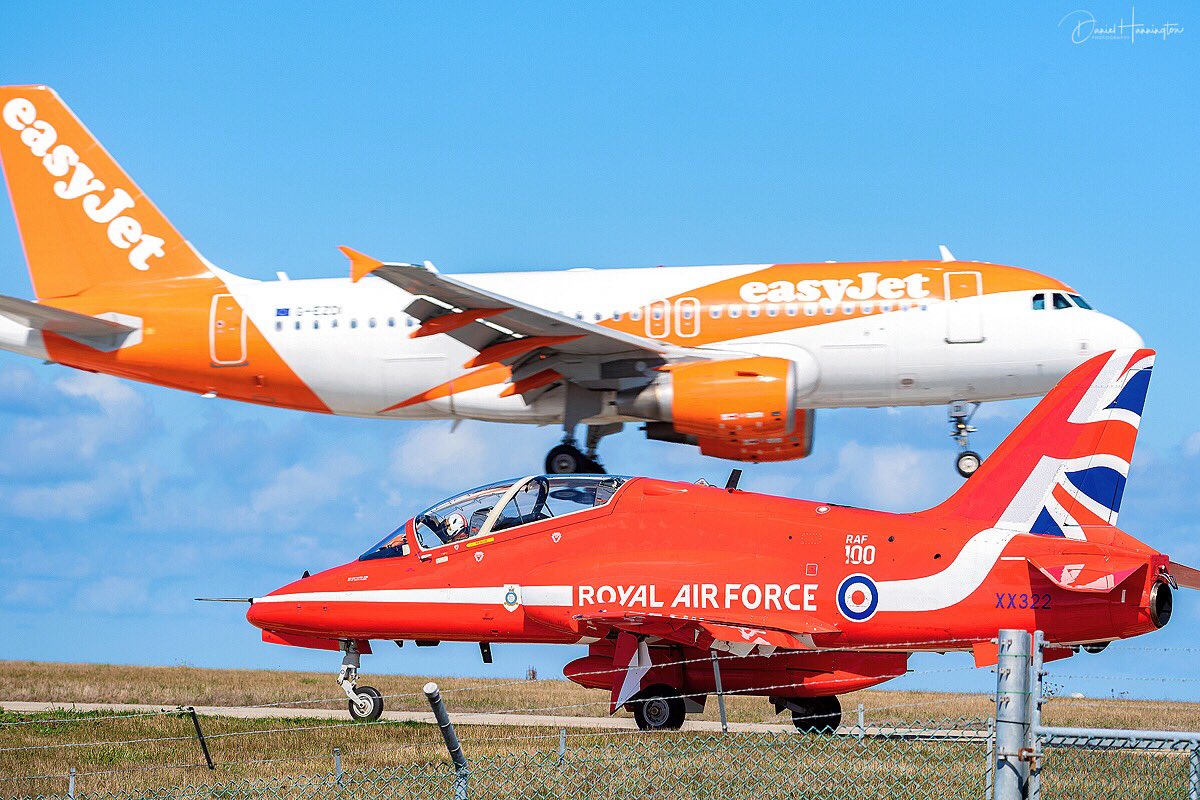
242,749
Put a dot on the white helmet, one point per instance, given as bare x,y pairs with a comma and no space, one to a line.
455,525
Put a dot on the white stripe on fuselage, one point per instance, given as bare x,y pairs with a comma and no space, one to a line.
456,595
952,585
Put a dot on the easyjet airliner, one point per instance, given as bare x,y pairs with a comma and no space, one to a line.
734,359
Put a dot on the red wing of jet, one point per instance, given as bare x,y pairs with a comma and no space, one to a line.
731,637
1075,574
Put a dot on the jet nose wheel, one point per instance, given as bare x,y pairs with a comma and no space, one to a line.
367,705
566,459
967,462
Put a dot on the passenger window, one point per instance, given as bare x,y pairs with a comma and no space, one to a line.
772,311
391,322
334,323
616,316
353,323
1039,302
297,324
1061,301
715,312
371,322
278,326
735,312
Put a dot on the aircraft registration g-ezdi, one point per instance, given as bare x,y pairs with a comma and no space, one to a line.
802,601
734,359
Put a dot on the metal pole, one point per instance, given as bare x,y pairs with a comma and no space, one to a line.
1036,674
456,754
862,722
1012,714
200,737
562,744
720,692
990,778
71,784
337,764
1193,776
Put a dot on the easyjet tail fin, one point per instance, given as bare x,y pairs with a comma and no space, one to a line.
83,221
1064,467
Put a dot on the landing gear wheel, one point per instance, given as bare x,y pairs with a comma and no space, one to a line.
368,706
659,708
565,459
817,714
967,462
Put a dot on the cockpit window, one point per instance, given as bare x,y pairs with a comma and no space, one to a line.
1061,301
393,545
1039,302
1079,301
510,504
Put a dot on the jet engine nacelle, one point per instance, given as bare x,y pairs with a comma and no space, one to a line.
742,409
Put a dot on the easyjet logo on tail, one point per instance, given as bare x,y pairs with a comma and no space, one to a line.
79,182
869,286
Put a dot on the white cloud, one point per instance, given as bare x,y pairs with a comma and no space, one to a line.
113,595
894,477
1191,445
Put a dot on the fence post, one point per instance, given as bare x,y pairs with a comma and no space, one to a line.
1193,775
1011,780
71,784
200,737
456,754
990,777
720,691
862,722
337,764
562,744
1036,674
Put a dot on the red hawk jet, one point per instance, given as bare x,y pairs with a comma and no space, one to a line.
800,600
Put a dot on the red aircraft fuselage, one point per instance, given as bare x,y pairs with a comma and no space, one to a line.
798,599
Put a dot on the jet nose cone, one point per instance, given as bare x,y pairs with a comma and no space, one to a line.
1113,334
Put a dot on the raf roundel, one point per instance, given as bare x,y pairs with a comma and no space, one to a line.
857,598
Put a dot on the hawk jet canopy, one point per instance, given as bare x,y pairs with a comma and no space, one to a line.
499,507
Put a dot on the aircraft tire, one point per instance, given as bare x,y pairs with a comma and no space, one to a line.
658,708
370,705
967,463
566,459
817,714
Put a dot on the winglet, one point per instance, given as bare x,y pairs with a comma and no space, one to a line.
361,265
947,256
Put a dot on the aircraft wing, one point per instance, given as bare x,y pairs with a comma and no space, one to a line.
531,339
57,320
739,639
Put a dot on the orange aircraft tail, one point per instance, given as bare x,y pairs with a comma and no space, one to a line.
83,222
1063,469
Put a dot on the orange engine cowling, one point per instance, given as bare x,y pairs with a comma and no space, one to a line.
742,409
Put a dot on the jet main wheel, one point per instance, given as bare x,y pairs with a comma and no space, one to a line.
659,708
817,714
967,462
566,459
368,705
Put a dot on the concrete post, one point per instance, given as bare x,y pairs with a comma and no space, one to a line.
1012,714
456,754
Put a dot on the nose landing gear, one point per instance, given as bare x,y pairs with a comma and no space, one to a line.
365,702
968,461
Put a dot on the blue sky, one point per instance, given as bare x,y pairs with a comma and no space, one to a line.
488,137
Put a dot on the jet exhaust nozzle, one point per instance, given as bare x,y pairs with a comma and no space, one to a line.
1160,604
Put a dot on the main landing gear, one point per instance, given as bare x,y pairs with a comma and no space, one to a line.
365,702
568,459
812,714
658,708
968,460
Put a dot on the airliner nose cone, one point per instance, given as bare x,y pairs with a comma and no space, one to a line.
1113,334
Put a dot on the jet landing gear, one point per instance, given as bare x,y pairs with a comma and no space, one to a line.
658,708
365,702
568,459
812,714
968,460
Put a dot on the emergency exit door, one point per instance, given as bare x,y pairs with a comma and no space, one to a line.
964,309
226,332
